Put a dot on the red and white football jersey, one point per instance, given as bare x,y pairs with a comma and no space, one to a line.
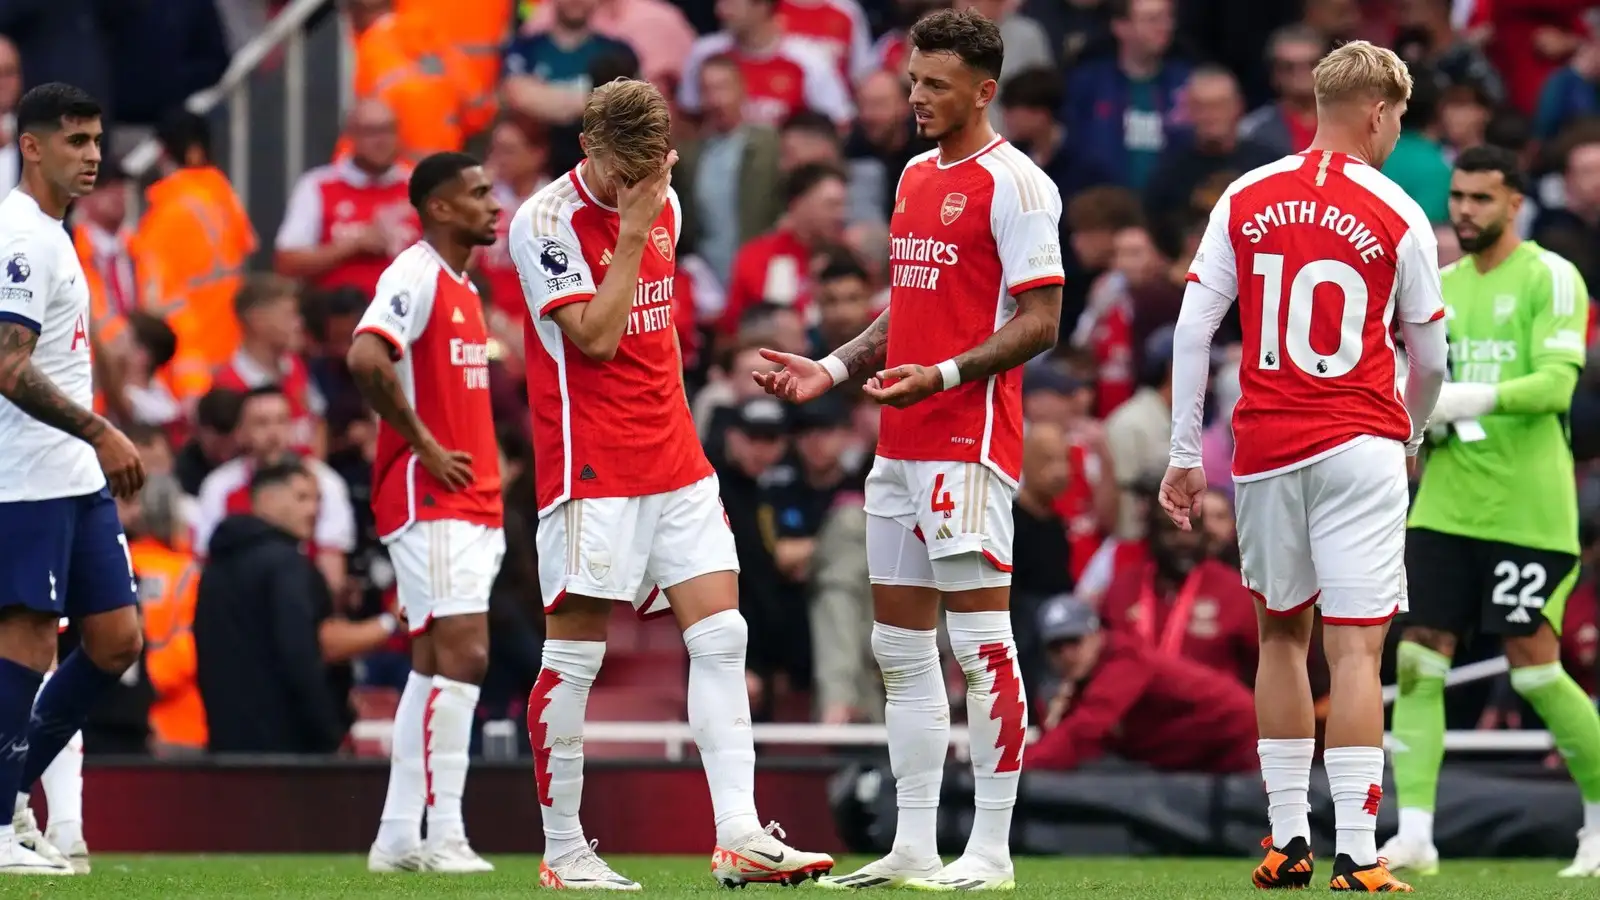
1320,249
619,428
306,404
432,319
836,29
778,82
226,492
965,238
330,203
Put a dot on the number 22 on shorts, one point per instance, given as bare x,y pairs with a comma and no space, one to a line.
940,501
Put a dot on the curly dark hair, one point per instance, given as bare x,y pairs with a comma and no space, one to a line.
967,34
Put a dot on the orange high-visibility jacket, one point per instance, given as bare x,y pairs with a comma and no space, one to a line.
169,581
190,249
479,30
402,60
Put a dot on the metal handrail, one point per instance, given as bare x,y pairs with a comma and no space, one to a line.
287,30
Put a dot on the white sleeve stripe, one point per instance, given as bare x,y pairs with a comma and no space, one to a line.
1563,289
1027,190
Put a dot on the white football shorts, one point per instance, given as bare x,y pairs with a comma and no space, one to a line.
445,567
944,525
1332,533
634,548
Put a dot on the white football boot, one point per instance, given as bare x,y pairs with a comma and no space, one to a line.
69,840
892,871
1587,862
1413,857
28,835
384,862
969,873
582,870
454,856
761,858
16,858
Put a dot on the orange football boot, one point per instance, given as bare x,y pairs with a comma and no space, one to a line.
1373,879
1284,867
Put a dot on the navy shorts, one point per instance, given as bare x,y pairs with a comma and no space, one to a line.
66,556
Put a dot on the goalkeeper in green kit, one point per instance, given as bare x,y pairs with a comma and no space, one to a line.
1492,542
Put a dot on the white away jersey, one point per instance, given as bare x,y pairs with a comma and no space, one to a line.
42,287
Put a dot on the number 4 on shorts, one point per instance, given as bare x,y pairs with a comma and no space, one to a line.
941,504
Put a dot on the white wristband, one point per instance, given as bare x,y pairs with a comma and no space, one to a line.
836,369
952,375
388,621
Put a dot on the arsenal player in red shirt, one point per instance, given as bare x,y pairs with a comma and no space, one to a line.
629,508
1322,252
420,357
975,272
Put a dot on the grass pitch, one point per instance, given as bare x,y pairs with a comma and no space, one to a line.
345,877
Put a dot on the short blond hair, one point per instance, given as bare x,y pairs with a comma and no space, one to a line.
1361,70
628,122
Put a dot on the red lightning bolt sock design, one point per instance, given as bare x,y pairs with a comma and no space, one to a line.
556,707
997,718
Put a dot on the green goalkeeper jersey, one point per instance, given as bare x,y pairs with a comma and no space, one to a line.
1515,484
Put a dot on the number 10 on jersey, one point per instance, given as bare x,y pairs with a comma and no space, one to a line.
1286,327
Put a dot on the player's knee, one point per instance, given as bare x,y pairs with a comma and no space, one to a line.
28,637
114,649
1442,642
1538,649
904,651
724,635
466,661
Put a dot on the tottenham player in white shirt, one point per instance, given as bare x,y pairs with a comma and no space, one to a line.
65,553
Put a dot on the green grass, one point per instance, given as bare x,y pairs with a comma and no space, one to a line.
249,877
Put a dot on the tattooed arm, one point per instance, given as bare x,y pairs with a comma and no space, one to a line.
1030,332
867,349
371,363
30,391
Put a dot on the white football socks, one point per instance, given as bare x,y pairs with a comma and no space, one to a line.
400,830
997,720
447,726
917,714
1286,772
555,730
1355,778
719,717
63,793
1416,826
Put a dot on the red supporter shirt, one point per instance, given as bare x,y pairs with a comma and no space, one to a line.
1580,636
1076,507
964,240
1167,712
432,319
505,291
1322,251
779,82
617,428
835,29
306,404
226,492
1209,619
333,202
774,268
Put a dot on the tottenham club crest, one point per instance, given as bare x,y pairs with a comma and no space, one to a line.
400,303
17,268
552,259
662,239
950,209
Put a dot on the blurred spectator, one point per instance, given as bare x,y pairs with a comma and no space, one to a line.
835,30
1093,219
1026,45
1221,531
547,73
748,467
10,93
843,300
781,76
256,621
1580,630
330,322
1119,696
519,163
849,686
346,221
1465,110
1289,122
726,173
148,346
891,52
216,420
1210,148
730,384
1532,39
1039,551
264,440
403,59
270,347
478,30
1574,231
1571,93
819,433
191,248
1336,20
880,145
186,37
155,451
516,615
100,232
1120,108
1143,296
1426,38
1089,500
1181,603
776,267
62,40
1417,164
808,138
1072,27
169,581
1139,432
1029,104
661,57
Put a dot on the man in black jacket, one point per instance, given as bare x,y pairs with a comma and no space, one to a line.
256,617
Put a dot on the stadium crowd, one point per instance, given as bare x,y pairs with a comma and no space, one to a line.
264,586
